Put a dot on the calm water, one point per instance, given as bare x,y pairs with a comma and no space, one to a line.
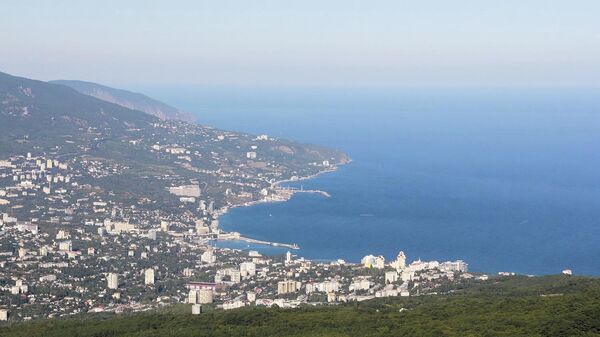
508,181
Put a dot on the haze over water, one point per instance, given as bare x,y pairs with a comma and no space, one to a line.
507,181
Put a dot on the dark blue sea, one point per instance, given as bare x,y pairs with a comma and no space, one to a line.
507,180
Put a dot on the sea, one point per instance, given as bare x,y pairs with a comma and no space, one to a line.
504,179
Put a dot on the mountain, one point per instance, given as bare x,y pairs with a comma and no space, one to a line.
151,154
36,113
128,99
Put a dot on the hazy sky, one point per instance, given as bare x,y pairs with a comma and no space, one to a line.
320,42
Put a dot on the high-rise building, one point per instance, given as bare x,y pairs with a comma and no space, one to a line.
113,281
371,261
400,262
193,296
247,269
205,296
149,276
288,286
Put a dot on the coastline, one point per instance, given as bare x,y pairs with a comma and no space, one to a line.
281,194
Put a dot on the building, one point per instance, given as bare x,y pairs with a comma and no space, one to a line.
247,269
66,246
459,266
149,276
361,284
3,315
201,296
251,296
196,309
193,296
205,296
288,286
288,257
371,261
400,262
208,257
233,305
112,281
391,276
62,235
119,227
201,285
251,155
186,191
164,226
328,287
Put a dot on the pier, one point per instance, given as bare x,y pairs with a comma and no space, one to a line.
302,190
236,236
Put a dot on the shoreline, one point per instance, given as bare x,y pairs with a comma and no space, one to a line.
281,195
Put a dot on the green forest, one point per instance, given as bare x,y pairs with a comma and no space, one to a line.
511,306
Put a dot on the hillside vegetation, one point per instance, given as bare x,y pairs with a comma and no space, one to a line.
518,306
128,99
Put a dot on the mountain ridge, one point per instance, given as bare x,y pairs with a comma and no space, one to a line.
128,99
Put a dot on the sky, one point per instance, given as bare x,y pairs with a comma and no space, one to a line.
377,43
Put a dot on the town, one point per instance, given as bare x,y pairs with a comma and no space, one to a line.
68,248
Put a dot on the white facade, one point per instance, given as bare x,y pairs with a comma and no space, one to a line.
400,262
288,286
247,269
149,276
112,281
391,276
371,261
205,296
208,257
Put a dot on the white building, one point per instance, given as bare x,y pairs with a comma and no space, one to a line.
233,305
288,286
193,296
205,296
247,269
208,257
371,261
66,246
362,284
112,280
400,262
328,286
149,276
391,276
459,266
